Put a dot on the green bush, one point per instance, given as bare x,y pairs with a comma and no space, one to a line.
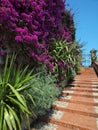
65,59
43,91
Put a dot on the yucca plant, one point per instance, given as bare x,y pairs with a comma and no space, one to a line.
13,81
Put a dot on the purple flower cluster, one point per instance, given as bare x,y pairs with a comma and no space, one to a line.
33,23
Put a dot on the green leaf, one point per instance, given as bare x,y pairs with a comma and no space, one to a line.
24,87
15,117
7,71
21,106
1,114
17,94
31,98
12,120
4,127
5,68
7,119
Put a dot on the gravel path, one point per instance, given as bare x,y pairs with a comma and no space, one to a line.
55,114
44,126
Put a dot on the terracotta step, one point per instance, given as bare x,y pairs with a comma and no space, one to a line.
82,86
78,102
77,111
81,89
90,87
83,99
79,92
48,126
78,108
80,95
63,128
73,121
86,83
86,78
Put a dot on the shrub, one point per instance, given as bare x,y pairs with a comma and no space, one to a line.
43,91
64,60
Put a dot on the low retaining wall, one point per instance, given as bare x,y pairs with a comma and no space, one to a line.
95,66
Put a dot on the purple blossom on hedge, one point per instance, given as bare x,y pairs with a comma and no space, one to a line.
18,38
72,64
66,66
2,53
33,23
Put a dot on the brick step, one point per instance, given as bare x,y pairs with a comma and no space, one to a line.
68,92
73,121
64,128
79,109
86,80
78,102
40,125
81,86
93,77
81,90
86,83
80,95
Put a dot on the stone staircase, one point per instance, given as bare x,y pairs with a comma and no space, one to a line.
76,108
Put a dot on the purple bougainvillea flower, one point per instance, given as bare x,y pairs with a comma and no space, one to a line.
34,23
2,53
18,39
72,64
66,66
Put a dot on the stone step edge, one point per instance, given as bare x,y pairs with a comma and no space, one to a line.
80,90
79,86
88,79
78,102
80,95
61,123
91,114
88,83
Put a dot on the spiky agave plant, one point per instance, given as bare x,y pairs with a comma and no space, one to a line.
13,81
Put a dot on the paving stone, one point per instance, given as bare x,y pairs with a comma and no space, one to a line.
95,89
68,91
45,126
67,96
96,109
61,104
95,94
97,122
95,100
55,114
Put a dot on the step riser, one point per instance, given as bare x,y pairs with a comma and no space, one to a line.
79,102
62,123
90,80
80,95
75,111
82,86
81,90
89,83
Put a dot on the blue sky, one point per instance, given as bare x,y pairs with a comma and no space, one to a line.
86,22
